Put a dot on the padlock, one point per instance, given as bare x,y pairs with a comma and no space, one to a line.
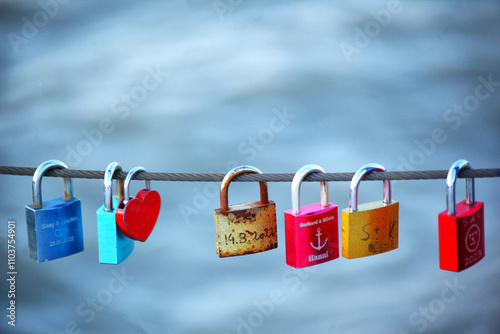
244,228
311,231
370,228
54,226
136,217
114,246
461,226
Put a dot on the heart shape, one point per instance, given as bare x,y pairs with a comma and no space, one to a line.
137,218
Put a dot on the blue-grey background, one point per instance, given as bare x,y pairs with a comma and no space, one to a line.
259,83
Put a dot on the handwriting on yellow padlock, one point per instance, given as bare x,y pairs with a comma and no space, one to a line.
370,228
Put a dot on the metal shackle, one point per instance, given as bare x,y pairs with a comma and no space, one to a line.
37,182
108,184
224,198
134,170
451,179
297,180
356,179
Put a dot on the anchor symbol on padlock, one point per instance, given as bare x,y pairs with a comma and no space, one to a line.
319,241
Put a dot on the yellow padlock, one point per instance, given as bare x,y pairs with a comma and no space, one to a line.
245,228
370,228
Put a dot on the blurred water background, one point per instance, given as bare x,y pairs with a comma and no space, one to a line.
203,86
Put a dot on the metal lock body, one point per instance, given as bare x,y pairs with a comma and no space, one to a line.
370,228
311,231
461,226
54,226
136,216
245,228
114,246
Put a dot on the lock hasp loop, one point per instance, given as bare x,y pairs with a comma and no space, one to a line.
37,182
356,179
108,183
451,180
224,206
297,181
134,170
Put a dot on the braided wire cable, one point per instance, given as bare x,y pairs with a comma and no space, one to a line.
268,177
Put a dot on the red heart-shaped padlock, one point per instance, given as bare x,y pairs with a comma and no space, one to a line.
137,218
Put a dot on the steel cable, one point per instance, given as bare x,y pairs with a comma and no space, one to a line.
268,177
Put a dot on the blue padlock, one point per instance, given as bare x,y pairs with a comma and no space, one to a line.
114,246
54,226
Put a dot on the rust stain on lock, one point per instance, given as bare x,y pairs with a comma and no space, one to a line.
246,228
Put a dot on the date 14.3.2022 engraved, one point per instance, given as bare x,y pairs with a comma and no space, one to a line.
246,236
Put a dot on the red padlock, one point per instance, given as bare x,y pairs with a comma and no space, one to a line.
136,216
461,226
311,231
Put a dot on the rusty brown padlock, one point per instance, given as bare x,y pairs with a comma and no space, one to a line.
245,228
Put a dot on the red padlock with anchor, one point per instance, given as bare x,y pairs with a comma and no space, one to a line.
311,231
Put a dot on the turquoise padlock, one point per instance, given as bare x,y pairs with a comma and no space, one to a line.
114,246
